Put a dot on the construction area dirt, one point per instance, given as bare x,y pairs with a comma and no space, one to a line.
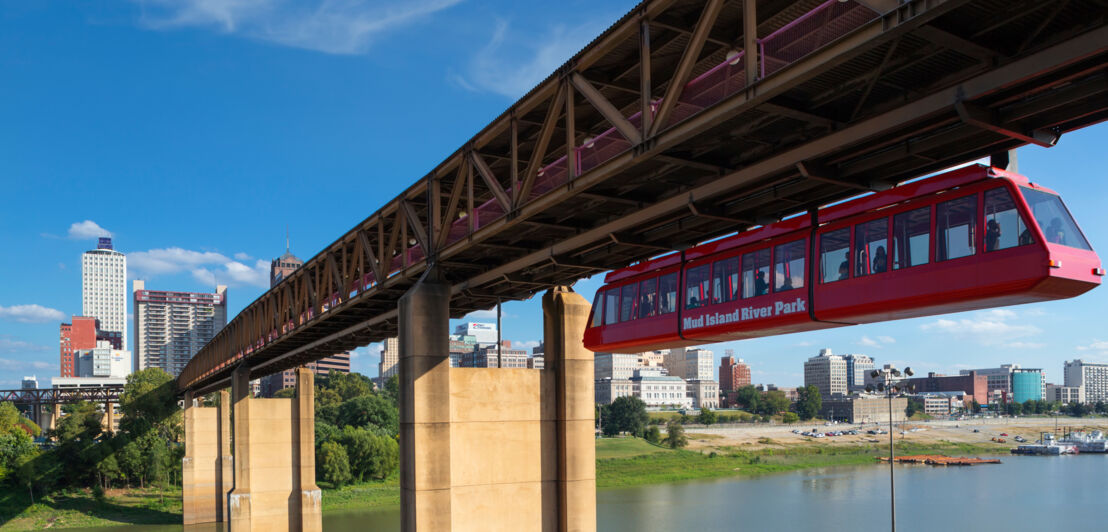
978,431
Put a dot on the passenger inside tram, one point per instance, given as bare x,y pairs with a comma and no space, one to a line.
992,235
844,268
1054,233
760,284
880,260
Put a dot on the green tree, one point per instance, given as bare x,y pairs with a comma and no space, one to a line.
790,417
285,393
369,410
975,407
349,385
915,404
392,389
773,403
675,435
334,464
808,402
1101,407
652,435
1077,410
625,414
370,455
748,398
706,417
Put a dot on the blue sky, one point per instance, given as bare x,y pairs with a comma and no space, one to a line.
193,132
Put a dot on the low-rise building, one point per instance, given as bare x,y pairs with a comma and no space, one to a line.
973,385
608,390
536,361
942,403
1065,394
703,394
657,390
863,408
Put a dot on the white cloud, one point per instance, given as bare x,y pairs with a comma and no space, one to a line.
235,273
992,327
18,365
9,345
31,313
1096,345
242,256
329,26
512,63
481,315
876,343
86,230
207,267
525,345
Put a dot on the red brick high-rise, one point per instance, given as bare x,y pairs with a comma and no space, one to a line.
82,333
733,374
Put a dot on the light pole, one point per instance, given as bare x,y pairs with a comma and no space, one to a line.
890,391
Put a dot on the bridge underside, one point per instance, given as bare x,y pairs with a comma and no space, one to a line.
908,91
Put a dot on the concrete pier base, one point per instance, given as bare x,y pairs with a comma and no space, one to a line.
274,466
202,480
495,449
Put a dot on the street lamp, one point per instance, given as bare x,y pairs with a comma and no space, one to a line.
890,390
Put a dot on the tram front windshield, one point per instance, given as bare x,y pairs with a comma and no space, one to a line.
1054,219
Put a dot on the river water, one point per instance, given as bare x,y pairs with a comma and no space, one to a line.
1024,493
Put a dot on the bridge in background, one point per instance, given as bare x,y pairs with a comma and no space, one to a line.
36,398
684,121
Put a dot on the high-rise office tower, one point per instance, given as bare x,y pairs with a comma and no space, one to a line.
104,287
857,366
171,327
733,373
279,269
826,372
390,359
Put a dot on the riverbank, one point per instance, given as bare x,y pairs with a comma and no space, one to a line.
634,462
714,452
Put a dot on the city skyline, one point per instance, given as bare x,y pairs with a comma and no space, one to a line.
232,142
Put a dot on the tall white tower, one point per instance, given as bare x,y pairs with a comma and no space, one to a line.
104,287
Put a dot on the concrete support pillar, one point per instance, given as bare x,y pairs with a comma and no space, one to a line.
201,492
274,460
56,415
424,328
311,507
109,416
238,500
565,316
226,472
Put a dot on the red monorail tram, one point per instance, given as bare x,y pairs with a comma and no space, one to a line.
971,238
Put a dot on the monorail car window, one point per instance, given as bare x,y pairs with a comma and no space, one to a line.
627,302
1054,219
667,294
648,298
912,238
871,247
956,227
834,255
1004,227
725,280
788,260
756,273
697,286
597,309
611,306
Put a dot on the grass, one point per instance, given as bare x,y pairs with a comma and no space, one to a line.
667,465
78,508
610,448
378,493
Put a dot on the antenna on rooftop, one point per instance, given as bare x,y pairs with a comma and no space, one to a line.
286,238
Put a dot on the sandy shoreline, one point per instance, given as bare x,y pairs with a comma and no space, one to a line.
757,435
